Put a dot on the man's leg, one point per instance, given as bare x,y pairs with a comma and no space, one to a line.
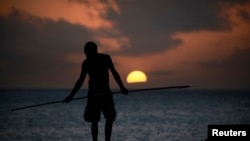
94,130
108,130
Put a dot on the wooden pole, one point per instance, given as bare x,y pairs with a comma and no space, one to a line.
118,92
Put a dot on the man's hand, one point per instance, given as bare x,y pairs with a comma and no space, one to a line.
124,91
67,99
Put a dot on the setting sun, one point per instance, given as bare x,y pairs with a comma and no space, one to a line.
136,77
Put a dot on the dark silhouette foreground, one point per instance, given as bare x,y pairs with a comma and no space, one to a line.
100,98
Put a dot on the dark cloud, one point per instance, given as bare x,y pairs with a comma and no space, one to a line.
244,16
32,48
150,24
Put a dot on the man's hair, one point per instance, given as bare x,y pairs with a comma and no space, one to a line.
90,47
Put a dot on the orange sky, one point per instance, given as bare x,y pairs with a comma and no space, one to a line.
201,55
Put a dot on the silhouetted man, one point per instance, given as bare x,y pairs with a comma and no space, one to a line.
100,98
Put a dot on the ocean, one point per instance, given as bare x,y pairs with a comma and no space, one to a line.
164,115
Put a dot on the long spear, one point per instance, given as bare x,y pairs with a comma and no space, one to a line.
118,92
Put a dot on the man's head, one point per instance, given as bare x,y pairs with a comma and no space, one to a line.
90,49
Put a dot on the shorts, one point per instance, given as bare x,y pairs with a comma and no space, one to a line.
99,102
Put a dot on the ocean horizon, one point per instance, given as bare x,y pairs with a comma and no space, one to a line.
166,115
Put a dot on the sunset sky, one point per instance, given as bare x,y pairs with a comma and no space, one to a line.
175,42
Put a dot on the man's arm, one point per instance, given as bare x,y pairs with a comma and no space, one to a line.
117,77
78,84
